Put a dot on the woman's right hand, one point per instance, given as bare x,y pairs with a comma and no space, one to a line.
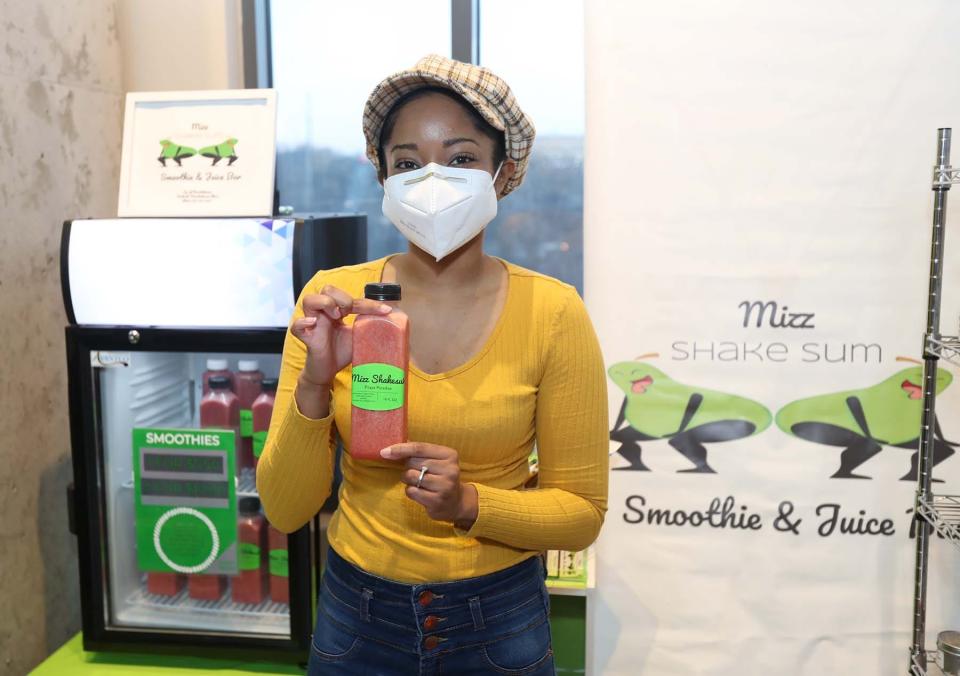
328,340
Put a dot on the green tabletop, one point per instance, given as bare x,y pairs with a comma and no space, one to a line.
71,659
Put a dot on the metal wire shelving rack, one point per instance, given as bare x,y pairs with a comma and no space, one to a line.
937,513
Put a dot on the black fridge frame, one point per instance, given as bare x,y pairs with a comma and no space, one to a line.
87,455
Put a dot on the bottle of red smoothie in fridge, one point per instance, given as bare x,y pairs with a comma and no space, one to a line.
250,585
279,566
219,408
262,411
247,386
216,367
165,584
206,587
381,354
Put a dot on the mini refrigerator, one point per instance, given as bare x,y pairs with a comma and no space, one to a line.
174,551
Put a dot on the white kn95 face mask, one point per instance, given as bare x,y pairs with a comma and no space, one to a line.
440,208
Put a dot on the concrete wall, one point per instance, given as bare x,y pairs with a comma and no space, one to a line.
64,69
60,112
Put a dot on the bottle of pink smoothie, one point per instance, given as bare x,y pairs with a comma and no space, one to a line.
216,367
250,585
247,381
381,356
219,408
262,412
165,584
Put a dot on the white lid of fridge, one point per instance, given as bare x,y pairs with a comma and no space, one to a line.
189,272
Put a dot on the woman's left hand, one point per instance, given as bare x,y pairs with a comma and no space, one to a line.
440,490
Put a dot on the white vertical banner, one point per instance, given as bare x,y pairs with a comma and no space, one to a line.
757,232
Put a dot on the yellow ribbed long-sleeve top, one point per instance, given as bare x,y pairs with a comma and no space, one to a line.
539,378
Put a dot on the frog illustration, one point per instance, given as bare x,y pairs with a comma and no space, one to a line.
863,421
221,150
658,407
171,151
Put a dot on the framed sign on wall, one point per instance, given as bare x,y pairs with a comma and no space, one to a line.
200,153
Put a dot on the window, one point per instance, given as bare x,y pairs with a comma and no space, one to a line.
327,57
540,225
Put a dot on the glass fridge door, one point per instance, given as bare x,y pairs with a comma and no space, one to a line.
184,544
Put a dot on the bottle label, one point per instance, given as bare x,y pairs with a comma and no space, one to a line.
249,558
279,563
378,387
259,440
246,422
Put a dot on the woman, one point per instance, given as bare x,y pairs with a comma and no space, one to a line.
434,564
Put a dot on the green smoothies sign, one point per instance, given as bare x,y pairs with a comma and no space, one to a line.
186,500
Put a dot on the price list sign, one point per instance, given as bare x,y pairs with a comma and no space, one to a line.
186,500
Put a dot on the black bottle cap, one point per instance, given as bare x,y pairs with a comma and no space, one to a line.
269,384
219,382
382,291
249,504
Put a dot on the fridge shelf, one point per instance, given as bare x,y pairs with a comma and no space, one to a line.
181,611
946,348
928,669
247,482
945,176
943,513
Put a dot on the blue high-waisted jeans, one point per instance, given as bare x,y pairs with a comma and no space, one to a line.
493,624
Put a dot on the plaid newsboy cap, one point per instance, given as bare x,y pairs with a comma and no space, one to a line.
486,92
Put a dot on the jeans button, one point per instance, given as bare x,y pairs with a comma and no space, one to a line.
425,598
430,622
431,642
